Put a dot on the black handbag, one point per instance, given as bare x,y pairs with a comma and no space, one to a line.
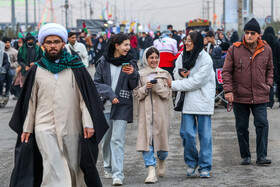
179,105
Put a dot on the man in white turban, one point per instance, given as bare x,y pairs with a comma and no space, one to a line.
59,119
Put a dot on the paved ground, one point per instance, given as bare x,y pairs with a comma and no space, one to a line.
227,170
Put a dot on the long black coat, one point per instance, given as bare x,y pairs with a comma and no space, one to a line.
275,47
28,169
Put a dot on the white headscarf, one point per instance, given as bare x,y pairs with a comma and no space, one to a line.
147,69
52,29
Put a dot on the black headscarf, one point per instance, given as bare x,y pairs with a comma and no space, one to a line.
189,57
269,30
110,49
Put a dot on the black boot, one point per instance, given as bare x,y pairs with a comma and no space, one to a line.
263,161
246,161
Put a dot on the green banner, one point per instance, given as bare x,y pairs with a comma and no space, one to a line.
22,35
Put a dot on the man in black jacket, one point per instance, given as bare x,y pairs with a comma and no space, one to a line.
4,69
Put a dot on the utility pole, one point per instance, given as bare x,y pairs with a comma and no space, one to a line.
240,17
66,13
251,8
13,15
51,10
26,14
224,14
85,9
90,9
115,11
124,12
39,10
203,9
208,11
271,11
214,13
35,19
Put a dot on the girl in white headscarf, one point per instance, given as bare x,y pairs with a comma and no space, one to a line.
155,100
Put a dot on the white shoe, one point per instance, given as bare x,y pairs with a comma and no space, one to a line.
107,175
117,182
161,169
151,179
190,171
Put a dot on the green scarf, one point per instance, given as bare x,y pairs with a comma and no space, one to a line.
66,61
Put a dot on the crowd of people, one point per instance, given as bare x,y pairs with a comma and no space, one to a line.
58,102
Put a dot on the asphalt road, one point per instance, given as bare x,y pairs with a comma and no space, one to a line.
227,170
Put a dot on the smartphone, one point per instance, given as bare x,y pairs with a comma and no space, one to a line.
183,69
154,81
124,65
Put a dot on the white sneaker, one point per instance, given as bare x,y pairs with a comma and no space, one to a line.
190,171
205,174
117,182
107,175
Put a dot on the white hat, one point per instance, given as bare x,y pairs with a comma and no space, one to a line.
52,29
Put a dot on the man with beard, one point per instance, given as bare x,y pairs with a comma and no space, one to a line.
59,119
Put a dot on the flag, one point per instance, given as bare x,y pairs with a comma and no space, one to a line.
158,28
215,17
22,34
85,27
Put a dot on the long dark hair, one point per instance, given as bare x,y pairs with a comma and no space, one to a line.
189,57
117,39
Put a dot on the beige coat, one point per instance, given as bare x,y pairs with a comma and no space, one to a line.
58,114
154,108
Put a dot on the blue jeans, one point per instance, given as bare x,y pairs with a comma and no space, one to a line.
190,124
113,146
141,55
149,156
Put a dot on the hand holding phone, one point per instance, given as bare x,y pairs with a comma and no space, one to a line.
127,68
154,81
183,72
125,65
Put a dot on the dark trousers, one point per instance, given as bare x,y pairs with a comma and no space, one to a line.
271,98
242,113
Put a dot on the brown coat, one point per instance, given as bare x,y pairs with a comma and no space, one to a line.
249,76
154,113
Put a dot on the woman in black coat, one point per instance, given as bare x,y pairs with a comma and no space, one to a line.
99,49
271,39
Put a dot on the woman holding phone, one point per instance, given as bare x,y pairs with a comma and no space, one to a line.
155,101
194,75
115,78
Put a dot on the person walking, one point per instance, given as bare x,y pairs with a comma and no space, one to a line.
248,76
272,40
143,43
14,64
155,101
99,49
4,71
28,54
77,47
58,118
197,80
115,77
167,47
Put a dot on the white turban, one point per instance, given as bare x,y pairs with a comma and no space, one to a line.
52,29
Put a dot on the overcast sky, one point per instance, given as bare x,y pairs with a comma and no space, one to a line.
155,12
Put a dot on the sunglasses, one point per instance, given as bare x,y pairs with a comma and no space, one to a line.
250,32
